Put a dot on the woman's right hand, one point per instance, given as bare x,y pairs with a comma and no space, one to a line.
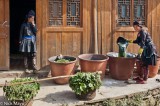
33,23
130,41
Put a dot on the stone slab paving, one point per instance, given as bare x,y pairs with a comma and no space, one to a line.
51,94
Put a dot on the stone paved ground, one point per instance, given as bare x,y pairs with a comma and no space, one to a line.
51,94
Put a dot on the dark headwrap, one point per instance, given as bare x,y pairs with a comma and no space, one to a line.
137,23
30,14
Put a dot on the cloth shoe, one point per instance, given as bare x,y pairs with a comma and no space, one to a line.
27,71
137,79
141,82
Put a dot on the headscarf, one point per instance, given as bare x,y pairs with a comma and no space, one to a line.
137,23
30,14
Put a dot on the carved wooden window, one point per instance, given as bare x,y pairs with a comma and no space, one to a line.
73,12
131,10
139,10
65,13
55,12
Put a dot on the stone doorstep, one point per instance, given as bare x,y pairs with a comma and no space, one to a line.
15,74
40,74
10,74
44,72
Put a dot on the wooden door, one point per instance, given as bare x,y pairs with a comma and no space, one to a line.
4,34
63,33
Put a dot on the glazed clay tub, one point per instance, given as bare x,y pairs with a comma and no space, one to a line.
62,69
93,63
121,68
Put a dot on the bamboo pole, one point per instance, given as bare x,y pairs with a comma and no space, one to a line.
39,80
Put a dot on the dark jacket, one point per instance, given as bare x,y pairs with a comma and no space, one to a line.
28,37
149,50
27,29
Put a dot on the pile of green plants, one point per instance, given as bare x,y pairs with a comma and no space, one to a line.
62,61
83,83
21,92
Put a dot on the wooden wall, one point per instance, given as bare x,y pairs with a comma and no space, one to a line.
108,32
74,41
4,34
104,26
154,22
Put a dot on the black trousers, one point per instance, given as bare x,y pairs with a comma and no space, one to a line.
30,56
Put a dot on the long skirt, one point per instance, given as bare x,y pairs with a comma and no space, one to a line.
27,45
149,56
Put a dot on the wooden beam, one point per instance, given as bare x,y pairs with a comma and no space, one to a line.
95,27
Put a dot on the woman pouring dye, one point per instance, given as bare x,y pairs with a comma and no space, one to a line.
147,52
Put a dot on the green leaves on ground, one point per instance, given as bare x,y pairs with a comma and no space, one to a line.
23,92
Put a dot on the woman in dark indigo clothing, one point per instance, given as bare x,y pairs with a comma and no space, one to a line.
147,52
27,41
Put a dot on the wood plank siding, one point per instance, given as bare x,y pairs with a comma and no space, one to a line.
74,40
4,35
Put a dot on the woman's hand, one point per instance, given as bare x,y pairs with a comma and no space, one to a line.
139,53
130,41
33,23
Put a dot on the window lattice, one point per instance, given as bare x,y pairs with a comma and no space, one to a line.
128,8
73,12
55,12
124,12
139,11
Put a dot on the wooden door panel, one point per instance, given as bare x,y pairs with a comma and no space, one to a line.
2,52
3,32
4,35
53,44
66,43
2,18
71,43
77,43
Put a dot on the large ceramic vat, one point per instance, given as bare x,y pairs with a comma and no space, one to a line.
93,63
121,68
